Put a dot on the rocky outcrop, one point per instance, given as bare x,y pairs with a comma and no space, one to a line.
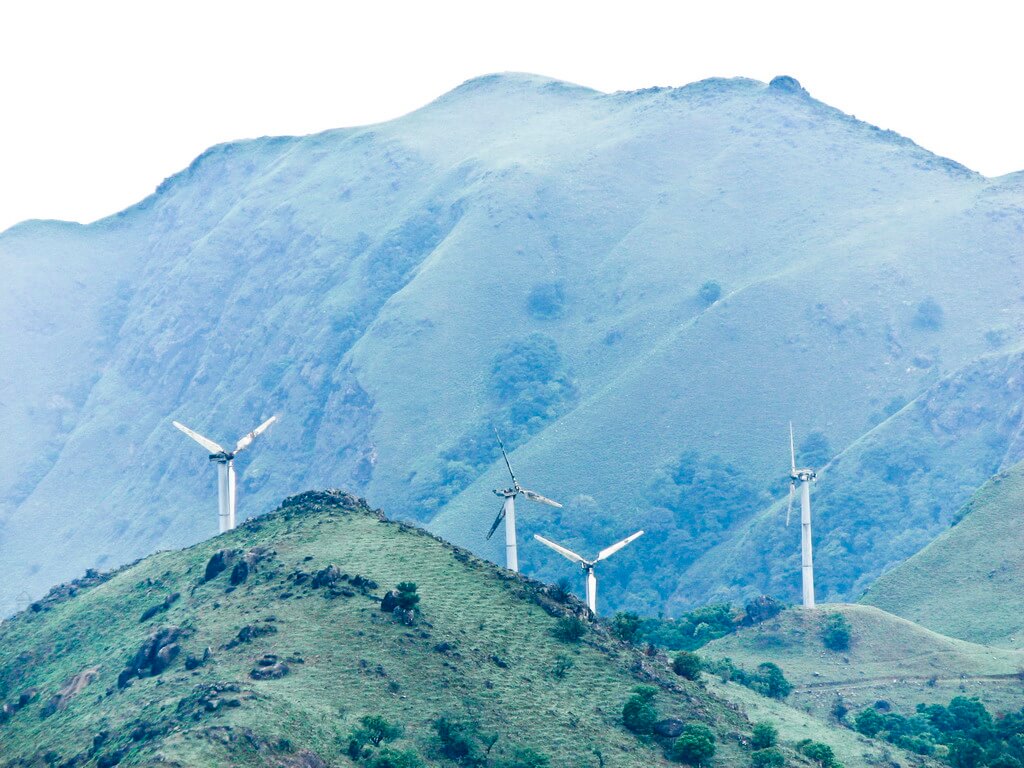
156,654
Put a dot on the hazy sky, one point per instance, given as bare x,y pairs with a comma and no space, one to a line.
100,101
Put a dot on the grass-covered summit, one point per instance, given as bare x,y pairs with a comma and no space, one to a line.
269,646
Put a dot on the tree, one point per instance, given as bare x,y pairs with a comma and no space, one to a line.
765,735
407,598
929,314
869,722
374,729
625,626
710,292
695,746
460,740
815,450
821,754
687,664
393,758
638,713
767,758
527,758
569,629
964,753
836,632
772,682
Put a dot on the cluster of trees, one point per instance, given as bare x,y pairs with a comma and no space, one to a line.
964,733
836,632
458,740
768,679
700,626
694,746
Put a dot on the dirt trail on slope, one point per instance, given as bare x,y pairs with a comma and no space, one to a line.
868,682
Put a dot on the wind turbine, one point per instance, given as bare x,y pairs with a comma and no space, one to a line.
805,477
225,461
588,565
508,511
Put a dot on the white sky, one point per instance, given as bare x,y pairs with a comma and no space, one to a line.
100,101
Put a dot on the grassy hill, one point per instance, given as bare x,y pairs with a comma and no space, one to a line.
889,658
114,669
968,582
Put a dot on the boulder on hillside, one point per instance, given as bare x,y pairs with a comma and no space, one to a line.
670,727
219,563
156,654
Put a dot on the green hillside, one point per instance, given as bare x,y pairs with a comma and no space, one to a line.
114,669
889,658
968,582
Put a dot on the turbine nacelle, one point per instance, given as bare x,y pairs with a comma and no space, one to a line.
588,565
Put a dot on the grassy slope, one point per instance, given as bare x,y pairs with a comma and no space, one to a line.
358,660
889,658
968,581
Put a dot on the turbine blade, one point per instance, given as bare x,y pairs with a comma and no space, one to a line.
208,444
246,441
609,551
792,450
534,496
789,509
507,462
567,553
497,522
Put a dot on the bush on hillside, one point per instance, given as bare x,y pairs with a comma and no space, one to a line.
692,630
767,758
687,664
695,746
929,315
407,598
638,713
709,292
836,632
764,735
818,753
768,680
374,729
547,301
625,625
569,629
462,740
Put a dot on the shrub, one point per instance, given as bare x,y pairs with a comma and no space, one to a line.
526,758
569,629
819,753
765,735
687,664
408,600
929,315
771,682
767,758
710,292
393,758
561,667
625,626
547,301
762,608
460,740
561,590
695,746
638,713
836,632
374,729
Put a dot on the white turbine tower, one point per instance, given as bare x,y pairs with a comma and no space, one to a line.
805,477
588,565
225,461
508,511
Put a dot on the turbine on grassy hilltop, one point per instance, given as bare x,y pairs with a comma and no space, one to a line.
588,565
805,477
508,511
225,461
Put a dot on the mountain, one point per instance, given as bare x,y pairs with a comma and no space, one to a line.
639,289
964,583
888,659
269,645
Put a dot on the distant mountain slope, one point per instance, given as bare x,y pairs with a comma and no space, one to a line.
968,582
300,652
889,659
641,289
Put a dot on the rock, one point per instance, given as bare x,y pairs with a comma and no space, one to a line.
327,577
164,657
152,611
273,672
250,632
194,662
219,562
125,678
787,84
71,688
155,654
363,583
390,601
670,728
